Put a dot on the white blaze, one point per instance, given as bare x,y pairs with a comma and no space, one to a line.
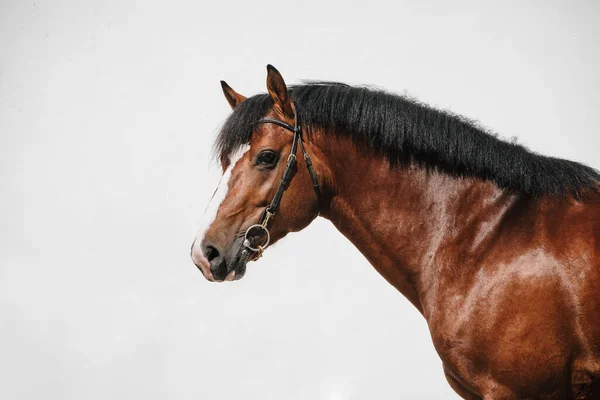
220,193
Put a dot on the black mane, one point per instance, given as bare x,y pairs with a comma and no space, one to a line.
406,131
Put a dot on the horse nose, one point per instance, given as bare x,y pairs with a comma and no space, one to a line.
215,258
197,254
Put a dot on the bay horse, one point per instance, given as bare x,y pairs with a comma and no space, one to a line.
496,246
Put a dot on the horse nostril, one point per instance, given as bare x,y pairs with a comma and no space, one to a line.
211,252
218,266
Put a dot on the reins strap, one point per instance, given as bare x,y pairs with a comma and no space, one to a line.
313,175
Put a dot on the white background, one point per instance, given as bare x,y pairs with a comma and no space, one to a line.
108,111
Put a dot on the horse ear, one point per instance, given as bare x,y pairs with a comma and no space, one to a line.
279,92
233,98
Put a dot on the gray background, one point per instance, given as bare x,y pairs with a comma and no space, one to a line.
108,111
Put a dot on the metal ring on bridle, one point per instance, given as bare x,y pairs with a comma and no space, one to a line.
247,241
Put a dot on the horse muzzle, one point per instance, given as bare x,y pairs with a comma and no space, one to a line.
215,264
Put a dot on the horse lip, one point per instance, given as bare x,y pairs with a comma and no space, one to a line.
230,276
240,264
240,271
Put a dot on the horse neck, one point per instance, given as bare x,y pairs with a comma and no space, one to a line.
400,217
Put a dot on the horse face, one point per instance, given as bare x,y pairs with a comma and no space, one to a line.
250,179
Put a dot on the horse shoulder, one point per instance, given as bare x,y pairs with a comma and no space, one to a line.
530,305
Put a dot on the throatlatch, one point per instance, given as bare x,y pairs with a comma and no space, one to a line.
286,179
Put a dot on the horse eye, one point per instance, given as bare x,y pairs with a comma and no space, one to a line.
267,158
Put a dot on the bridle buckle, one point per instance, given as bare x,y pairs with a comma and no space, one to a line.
267,217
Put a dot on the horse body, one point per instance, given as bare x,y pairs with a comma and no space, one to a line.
505,323
497,247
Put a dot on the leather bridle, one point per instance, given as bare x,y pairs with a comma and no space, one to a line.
286,179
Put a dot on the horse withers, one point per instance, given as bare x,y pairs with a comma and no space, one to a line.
497,247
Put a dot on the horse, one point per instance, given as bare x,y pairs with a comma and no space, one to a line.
496,246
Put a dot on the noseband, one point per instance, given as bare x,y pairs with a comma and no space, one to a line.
286,179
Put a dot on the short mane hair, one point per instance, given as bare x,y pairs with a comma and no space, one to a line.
407,131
